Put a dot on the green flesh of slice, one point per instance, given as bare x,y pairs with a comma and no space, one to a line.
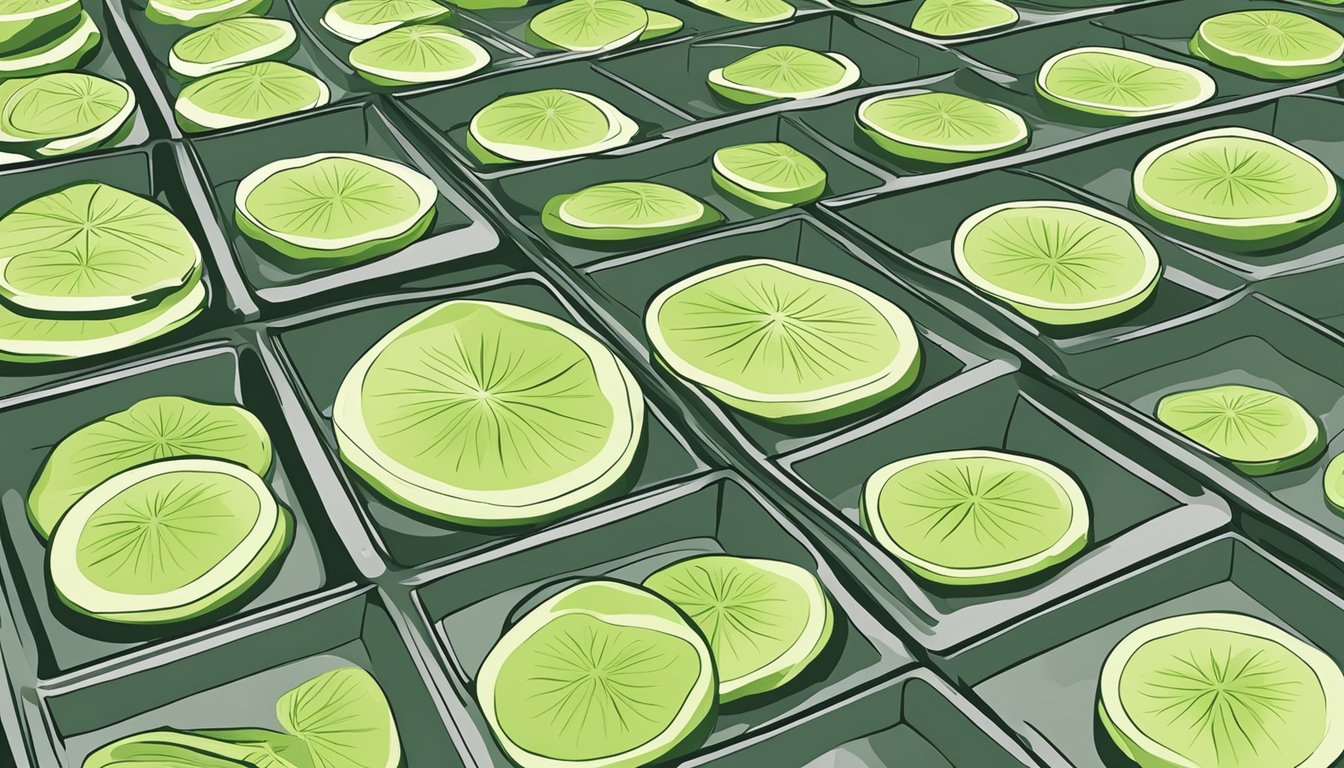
344,718
588,25
959,18
660,25
783,72
1270,44
361,20
626,210
748,11
230,43
24,23
59,54
247,94
67,111
421,53
769,174
202,13
1119,83
546,124
1334,483
941,128
1258,431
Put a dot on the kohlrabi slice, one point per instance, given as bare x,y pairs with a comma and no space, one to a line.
588,25
975,516
189,749
1333,483
1269,44
1056,262
783,342
942,128
1221,690
167,541
489,414
783,72
660,25
765,620
90,249
748,11
602,675
202,13
248,94
417,54
25,23
335,206
344,718
64,52
1238,185
1260,432
769,174
546,125
230,43
1117,83
620,211
63,112
360,20
960,18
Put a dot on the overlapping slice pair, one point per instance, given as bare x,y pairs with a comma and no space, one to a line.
42,36
405,42
63,113
91,269
546,125
1270,44
202,13
261,90
597,25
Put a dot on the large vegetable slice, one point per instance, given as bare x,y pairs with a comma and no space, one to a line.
1260,432
625,210
976,516
344,719
202,13
489,414
783,342
25,22
588,25
765,620
749,11
360,20
421,53
335,206
545,125
1269,44
1119,83
1056,262
247,94
230,43
941,127
1238,185
1221,690
92,248
783,72
770,174
167,541
63,52
959,18
63,112
602,675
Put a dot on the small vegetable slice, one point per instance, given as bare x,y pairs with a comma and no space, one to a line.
248,94
783,72
1260,432
749,11
63,112
416,54
660,25
64,52
202,13
1269,44
765,620
770,174
546,125
24,23
975,516
230,43
588,25
960,18
344,718
360,20
1334,483
942,128
1117,83
625,210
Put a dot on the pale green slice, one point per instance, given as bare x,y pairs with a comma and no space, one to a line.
32,339
248,94
59,54
1269,44
186,749
588,25
748,11
344,719
770,174
202,13
602,675
765,620
942,128
975,516
167,541
783,342
660,25
959,18
360,20
1260,432
1237,185
546,125
619,211
417,54
92,248
489,414
152,429
25,22
783,72
230,43
1221,690
63,112
1056,262
1333,483
335,206
1119,83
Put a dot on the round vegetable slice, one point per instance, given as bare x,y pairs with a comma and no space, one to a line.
247,94
784,342
602,675
1260,432
941,127
783,72
230,43
765,620
25,22
1056,262
344,719
202,13
976,516
1269,44
167,541
588,25
421,53
152,429
1334,483
546,125
1119,83
93,248
1238,185
335,206
770,174
1221,690
63,112
625,210
64,52
959,18
360,20
748,11
489,414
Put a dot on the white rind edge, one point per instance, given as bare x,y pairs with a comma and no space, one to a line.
620,129
426,194
1207,87
186,15
756,186
1014,118
848,77
574,221
481,59
182,307
201,69
78,37
354,32
188,109
1332,57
